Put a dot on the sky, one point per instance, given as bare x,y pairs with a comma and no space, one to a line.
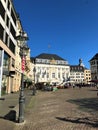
68,28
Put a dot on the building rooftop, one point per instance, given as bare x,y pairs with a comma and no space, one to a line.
49,56
95,57
76,68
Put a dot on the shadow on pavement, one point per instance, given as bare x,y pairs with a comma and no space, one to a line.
85,120
93,90
10,116
86,104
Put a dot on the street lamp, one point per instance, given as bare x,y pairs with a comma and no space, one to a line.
21,39
34,88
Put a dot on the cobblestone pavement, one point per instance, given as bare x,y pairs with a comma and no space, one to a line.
8,105
64,109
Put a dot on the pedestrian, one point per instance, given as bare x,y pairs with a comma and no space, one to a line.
73,85
80,86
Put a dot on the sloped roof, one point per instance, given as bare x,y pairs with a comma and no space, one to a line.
49,56
76,68
95,57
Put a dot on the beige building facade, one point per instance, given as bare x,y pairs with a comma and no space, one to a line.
87,75
8,29
10,60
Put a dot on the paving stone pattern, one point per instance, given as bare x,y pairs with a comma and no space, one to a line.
64,109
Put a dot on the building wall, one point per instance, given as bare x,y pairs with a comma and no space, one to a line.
77,77
87,75
94,69
51,73
77,74
10,25
7,42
